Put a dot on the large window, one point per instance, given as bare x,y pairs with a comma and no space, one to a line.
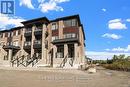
55,38
70,35
60,51
71,22
54,26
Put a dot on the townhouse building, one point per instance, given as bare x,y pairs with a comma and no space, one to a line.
43,42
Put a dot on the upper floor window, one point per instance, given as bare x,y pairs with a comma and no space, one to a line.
1,35
11,34
15,43
9,43
70,35
28,30
54,26
55,38
71,22
60,51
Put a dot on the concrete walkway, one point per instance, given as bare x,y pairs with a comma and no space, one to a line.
49,77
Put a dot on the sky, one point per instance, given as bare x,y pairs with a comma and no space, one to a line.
106,22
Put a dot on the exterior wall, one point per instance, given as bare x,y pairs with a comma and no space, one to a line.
81,47
2,51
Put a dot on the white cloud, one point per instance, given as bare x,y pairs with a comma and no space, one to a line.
27,3
51,5
116,24
103,9
128,20
103,55
44,5
112,36
6,21
119,49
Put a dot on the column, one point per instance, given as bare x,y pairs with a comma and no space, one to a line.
44,58
33,38
22,42
76,59
60,29
10,53
65,50
54,53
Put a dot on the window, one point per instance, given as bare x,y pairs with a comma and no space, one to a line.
60,51
55,38
6,34
19,31
28,30
11,34
71,22
70,35
54,26
1,35
15,43
9,43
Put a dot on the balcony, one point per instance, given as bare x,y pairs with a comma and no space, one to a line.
37,44
38,31
28,33
68,38
10,45
27,45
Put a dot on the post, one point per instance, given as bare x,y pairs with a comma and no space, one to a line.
65,50
33,38
10,53
76,58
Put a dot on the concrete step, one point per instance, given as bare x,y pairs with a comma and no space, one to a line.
4,63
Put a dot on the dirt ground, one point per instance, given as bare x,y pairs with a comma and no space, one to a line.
63,78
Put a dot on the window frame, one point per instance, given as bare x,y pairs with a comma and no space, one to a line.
54,26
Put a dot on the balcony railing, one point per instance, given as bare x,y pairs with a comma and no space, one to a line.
27,45
38,31
37,44
11,46
28,32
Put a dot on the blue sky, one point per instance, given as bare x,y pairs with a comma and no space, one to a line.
106,22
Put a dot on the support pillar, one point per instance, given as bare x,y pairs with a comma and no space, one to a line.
43,61
65,50
33,38
76,56
10,54
54,51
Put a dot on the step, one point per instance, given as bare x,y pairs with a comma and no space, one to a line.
4,63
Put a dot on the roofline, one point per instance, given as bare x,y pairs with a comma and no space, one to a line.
15,28
67,17
35,19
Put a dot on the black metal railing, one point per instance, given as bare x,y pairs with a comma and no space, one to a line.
64,61
25,60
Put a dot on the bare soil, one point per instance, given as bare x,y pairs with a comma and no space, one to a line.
63,78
